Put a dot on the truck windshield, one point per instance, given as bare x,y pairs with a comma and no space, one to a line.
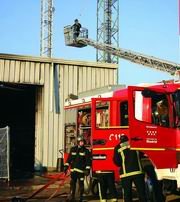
152,107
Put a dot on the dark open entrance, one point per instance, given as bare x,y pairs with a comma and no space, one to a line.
17,110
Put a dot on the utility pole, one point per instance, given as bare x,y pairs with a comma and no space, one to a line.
47,11
107,28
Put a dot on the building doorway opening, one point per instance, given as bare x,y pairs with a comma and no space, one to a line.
17,110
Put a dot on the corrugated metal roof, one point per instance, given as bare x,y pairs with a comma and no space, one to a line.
56,60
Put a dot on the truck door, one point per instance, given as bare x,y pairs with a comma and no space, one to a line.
109,121
150,125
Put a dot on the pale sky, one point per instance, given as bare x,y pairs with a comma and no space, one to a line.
148,27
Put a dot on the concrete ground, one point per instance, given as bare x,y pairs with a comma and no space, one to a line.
55,192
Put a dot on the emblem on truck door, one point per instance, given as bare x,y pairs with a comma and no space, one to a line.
151,134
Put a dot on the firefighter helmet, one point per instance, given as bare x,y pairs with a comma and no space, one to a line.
124,138
80,138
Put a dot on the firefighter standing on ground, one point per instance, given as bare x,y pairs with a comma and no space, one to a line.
155,183
130,170
106,182
79,160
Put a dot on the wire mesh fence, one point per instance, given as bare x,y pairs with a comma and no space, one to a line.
4,153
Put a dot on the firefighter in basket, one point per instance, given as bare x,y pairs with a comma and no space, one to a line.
79,161
76,27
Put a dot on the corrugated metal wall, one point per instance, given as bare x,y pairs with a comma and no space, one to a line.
72,77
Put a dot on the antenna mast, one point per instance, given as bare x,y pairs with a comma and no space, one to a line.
107,28
47,11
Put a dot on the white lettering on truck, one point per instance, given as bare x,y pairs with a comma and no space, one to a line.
116,137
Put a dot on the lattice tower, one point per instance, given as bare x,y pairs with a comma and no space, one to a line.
47,11
107,28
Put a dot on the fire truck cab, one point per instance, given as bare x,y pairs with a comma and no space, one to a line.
148,114
154,124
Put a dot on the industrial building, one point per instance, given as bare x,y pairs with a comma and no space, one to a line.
33,91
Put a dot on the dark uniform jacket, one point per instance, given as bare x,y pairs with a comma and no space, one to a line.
79,159
76,27
128,160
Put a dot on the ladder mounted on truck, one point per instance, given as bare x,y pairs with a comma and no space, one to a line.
132,56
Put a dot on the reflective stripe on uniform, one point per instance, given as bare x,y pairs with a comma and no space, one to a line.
123,148
125,174
123,158
66,164
100,194
131,174
77,170
73,153
113,200
82,153
139,162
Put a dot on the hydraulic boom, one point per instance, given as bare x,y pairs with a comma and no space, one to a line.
138,58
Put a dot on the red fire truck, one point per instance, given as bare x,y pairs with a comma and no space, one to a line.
148,114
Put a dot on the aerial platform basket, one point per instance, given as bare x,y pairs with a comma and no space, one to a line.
69,37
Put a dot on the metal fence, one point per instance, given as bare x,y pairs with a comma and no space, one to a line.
4,153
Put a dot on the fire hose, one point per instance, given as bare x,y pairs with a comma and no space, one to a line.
58,177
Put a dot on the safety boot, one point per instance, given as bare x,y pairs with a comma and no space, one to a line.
70,198
81,199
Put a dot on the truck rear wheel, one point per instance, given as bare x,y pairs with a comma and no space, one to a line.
169,187
154,194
